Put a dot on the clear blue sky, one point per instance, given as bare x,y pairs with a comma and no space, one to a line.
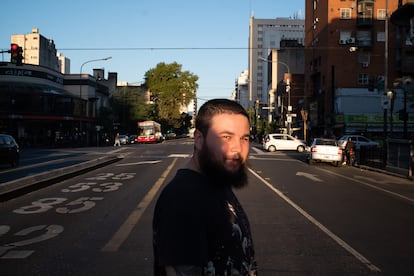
108,25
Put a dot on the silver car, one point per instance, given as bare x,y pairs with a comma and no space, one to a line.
358,141
124,139
278,141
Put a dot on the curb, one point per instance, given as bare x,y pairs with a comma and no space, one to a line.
387,172
53,176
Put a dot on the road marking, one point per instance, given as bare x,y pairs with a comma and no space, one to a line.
369,179
396,195
179,155
116,150
274,157
338,240
309,176
139,163
123,232
257,150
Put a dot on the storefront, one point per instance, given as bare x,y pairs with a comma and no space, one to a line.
38,110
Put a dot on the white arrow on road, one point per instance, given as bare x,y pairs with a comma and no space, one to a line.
139,163
310,176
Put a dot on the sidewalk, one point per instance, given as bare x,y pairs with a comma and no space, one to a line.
14,187
389,170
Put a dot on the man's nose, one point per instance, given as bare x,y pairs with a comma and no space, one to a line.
236,145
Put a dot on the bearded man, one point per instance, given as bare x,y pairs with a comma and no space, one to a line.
199,226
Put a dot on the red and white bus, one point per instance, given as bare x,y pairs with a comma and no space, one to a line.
149,132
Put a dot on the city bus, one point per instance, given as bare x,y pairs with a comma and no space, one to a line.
149,132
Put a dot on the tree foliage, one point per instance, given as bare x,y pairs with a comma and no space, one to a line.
129,106
170,88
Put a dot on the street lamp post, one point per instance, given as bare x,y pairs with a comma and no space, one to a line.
385,146
80,90
288,80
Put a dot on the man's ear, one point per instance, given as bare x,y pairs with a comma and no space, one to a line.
198,139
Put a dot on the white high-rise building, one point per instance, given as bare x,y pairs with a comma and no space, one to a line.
265,35
39,50
241,92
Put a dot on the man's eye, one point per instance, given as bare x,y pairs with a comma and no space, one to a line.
226,137
246,138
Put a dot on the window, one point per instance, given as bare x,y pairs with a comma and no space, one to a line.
344,36
364,38
363,79
345,13
381,14
381,36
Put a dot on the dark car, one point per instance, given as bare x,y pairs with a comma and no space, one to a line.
133,139
9,150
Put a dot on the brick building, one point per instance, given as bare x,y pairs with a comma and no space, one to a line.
349,45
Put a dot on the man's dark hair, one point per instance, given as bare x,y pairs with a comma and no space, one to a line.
216,107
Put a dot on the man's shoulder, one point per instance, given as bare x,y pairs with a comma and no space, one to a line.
186,180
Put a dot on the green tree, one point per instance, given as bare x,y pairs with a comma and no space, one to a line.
129,106
170,88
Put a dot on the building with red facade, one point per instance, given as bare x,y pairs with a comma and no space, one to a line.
354,68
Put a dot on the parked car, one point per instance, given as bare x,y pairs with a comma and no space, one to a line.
325,150
358,141
123,139
279,141
9,150
133,139
170,135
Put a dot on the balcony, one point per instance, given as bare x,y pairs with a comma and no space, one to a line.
365,21
365,13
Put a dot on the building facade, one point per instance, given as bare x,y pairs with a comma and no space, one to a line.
42,107
38,50
264,36
351,65
241,90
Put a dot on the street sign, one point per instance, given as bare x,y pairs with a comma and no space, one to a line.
385,102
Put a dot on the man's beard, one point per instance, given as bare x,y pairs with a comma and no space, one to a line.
216,172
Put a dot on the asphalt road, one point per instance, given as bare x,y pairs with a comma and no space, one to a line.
305,220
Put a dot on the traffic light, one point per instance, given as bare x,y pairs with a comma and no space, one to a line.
16,54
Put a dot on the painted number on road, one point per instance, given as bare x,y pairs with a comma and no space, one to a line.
104,187
45,204
106,176
11,250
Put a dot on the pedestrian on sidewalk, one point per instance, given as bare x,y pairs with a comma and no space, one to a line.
117,141
199,226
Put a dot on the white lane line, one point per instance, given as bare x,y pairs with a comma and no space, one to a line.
179,155
395,195
139,163
123,232
338,240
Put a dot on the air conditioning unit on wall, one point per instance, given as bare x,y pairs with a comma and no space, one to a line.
350,40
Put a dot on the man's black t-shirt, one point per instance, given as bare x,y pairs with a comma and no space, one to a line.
197,223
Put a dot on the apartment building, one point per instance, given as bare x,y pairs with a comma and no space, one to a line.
241,92
37,49
266,35
43,105
351,67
